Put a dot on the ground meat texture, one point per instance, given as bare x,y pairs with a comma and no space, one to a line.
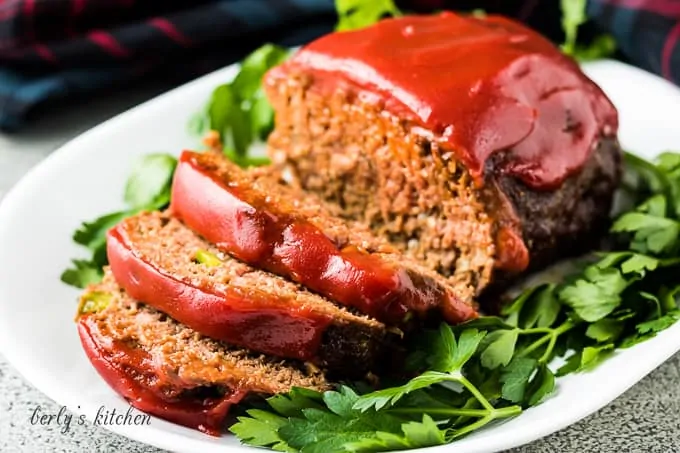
261,220
375,169
396,177
187,360
171,248
169,370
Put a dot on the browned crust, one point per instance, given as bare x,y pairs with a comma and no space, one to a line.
266,189
352,343
187,360
563,222
376,169
396,177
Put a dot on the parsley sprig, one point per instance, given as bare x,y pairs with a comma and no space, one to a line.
238,110
445,360
353,14
473,374
430,409
496,366
573,17
147,189
240,115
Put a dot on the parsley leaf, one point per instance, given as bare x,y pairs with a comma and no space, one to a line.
602,46
449,355
353,14
639,264
239,111
222,108
667,298
83,273
644,177
540,308
669,163
596,293
651,233
148,186
260,429
315,429
573,16
592,355
248,82
541,385
515,378
93,234
605,330
500,348
390,396
586,359
292,404
421,434
448,359
659,324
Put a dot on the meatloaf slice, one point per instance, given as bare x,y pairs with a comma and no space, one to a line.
167,369
273,226
473,144
161,262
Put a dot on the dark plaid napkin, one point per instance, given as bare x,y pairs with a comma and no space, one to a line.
52,50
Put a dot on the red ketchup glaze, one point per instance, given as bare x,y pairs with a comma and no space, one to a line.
480,85
114,360
244,224
242,319
511,252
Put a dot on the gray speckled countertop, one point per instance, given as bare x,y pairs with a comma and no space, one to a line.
644,419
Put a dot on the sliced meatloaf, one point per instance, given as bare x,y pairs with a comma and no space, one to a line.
161,262
167,369
473,144
275,227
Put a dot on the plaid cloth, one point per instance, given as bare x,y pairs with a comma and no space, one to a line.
52,50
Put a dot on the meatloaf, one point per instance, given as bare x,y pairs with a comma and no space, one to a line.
473,144
275,227
169,370
161,262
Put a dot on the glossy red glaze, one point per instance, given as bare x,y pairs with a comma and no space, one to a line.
129,372
478,85
511,251
241,318
243,223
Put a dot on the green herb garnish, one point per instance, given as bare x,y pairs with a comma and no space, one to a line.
83,273
353,14
239,110
573,16
309,421
147,189
495,367
472,374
